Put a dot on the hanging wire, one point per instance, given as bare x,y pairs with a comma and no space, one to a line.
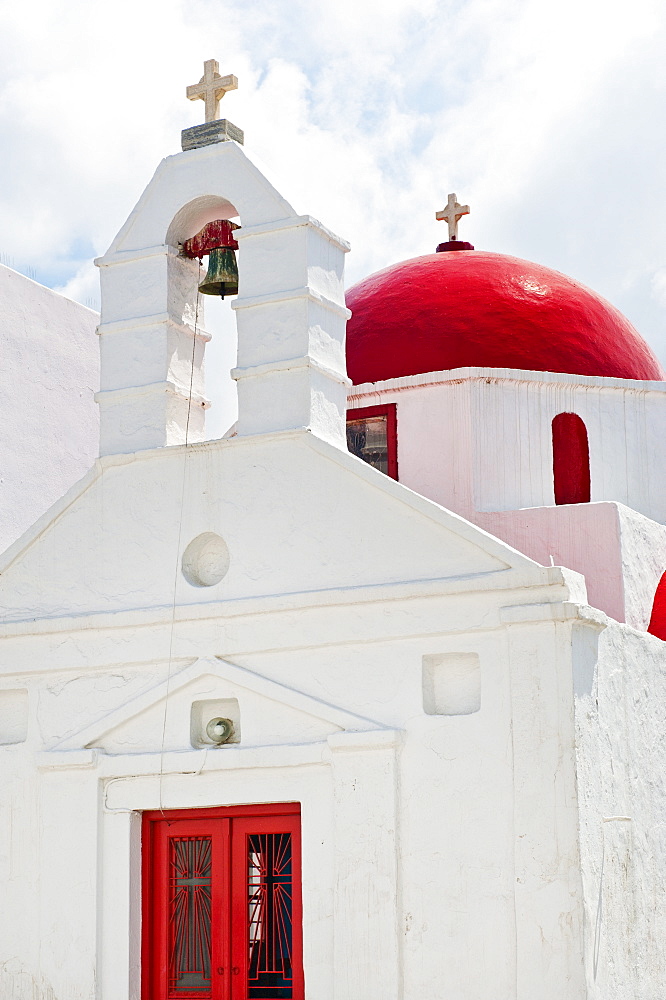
180,535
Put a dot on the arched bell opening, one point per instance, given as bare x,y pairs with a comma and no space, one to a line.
207,310
221,354
191,218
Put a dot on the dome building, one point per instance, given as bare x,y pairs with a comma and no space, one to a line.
472,309
522,400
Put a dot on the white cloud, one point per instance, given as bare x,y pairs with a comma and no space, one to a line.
83,286
544,114
658,285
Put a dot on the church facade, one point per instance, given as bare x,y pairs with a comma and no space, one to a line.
277,723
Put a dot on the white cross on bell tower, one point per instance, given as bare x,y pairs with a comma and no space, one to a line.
452,214
211,88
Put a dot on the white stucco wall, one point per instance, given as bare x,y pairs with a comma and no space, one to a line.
48,377
621,762
479,442
621,554
481,439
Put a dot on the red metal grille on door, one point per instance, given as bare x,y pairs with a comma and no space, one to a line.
222,904
270,915
190,915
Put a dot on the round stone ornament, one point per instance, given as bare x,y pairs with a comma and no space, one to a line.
205,560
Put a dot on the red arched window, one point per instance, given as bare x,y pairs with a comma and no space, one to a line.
571,459
657,624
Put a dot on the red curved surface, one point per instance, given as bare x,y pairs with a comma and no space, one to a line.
476,309
657,624
571,459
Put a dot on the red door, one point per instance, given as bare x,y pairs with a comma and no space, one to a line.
222,904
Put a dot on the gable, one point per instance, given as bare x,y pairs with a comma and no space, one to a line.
292,513
173,714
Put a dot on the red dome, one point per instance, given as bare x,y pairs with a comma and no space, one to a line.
471,309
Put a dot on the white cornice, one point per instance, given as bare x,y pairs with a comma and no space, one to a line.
490,375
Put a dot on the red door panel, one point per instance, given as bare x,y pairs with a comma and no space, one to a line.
222,904
266,909
186,891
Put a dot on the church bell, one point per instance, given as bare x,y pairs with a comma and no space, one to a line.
217,240
222,276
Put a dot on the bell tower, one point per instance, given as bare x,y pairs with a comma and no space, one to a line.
290,311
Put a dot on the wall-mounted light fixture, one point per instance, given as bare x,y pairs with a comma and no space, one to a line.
219,730
215,722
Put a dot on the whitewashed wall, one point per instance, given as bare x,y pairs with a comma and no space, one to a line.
481,439
479,442
621,553
48,377
621,761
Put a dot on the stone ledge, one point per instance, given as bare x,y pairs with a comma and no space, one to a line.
209,133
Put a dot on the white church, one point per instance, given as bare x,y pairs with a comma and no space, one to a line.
366,698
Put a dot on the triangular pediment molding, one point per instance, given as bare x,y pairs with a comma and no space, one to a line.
224,671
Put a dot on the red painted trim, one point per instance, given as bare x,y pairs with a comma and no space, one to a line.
657,624
453,245
228,826
390,411
571,459
213,235
263,809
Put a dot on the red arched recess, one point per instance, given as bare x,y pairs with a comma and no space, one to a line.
657,624
571,459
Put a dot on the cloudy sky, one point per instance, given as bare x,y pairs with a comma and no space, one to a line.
547,116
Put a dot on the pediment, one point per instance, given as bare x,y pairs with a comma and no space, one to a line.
296,516
173,714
